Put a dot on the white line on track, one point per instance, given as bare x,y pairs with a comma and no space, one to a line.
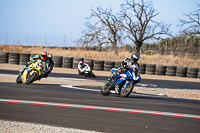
85,89
124,110
78,88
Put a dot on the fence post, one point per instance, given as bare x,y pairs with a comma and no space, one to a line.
171,58
14,47
45,42
109,54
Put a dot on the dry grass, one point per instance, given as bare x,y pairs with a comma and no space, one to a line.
104,55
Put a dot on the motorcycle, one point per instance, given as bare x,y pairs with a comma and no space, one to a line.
122,84
31,73
87,71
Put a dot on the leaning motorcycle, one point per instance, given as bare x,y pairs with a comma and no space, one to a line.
31,73
87,71
122,84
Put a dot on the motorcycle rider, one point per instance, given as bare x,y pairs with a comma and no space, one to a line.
81,67
131,62
51,63
125,64
128,62
44,58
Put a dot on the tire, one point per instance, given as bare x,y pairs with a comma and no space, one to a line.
14,58
171,67
4,57
57,61
181,71
105,88
86,74
181,75
126,93
192,72
170,74
171,71
98,62
18,79
160,70
150,65
107,69
142,68
150,69
98,68
67,66
108,65
98,65
67,62
23,58
32,78
198,75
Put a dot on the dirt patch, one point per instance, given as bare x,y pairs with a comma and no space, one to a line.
177,93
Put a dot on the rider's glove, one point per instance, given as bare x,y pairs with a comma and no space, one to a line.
27,64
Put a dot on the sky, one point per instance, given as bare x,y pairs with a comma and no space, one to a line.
60,22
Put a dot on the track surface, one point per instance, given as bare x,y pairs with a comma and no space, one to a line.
98,120
150,82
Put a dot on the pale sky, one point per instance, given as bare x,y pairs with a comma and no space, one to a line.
61,21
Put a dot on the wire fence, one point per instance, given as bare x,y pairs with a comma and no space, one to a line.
178,46
36,40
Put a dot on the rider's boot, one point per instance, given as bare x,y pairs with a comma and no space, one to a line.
41,76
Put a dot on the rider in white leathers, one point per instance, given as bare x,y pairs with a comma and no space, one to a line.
81,67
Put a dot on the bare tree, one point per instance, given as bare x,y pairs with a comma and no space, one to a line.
191,26
106,29
139,24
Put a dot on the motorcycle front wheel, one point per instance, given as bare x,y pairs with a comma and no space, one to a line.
105,88
19,79
30,78
126,89
86,74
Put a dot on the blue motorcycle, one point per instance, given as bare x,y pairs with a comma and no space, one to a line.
123,83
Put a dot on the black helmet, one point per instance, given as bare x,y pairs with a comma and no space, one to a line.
135,57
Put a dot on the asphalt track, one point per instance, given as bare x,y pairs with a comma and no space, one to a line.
83,107
153,83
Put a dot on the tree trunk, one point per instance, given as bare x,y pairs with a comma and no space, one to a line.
138,46
115,50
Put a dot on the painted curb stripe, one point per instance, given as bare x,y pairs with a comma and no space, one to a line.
135,111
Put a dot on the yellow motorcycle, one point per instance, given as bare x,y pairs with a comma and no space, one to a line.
32,73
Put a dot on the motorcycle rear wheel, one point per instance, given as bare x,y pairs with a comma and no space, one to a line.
126,91
105,88
30,78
